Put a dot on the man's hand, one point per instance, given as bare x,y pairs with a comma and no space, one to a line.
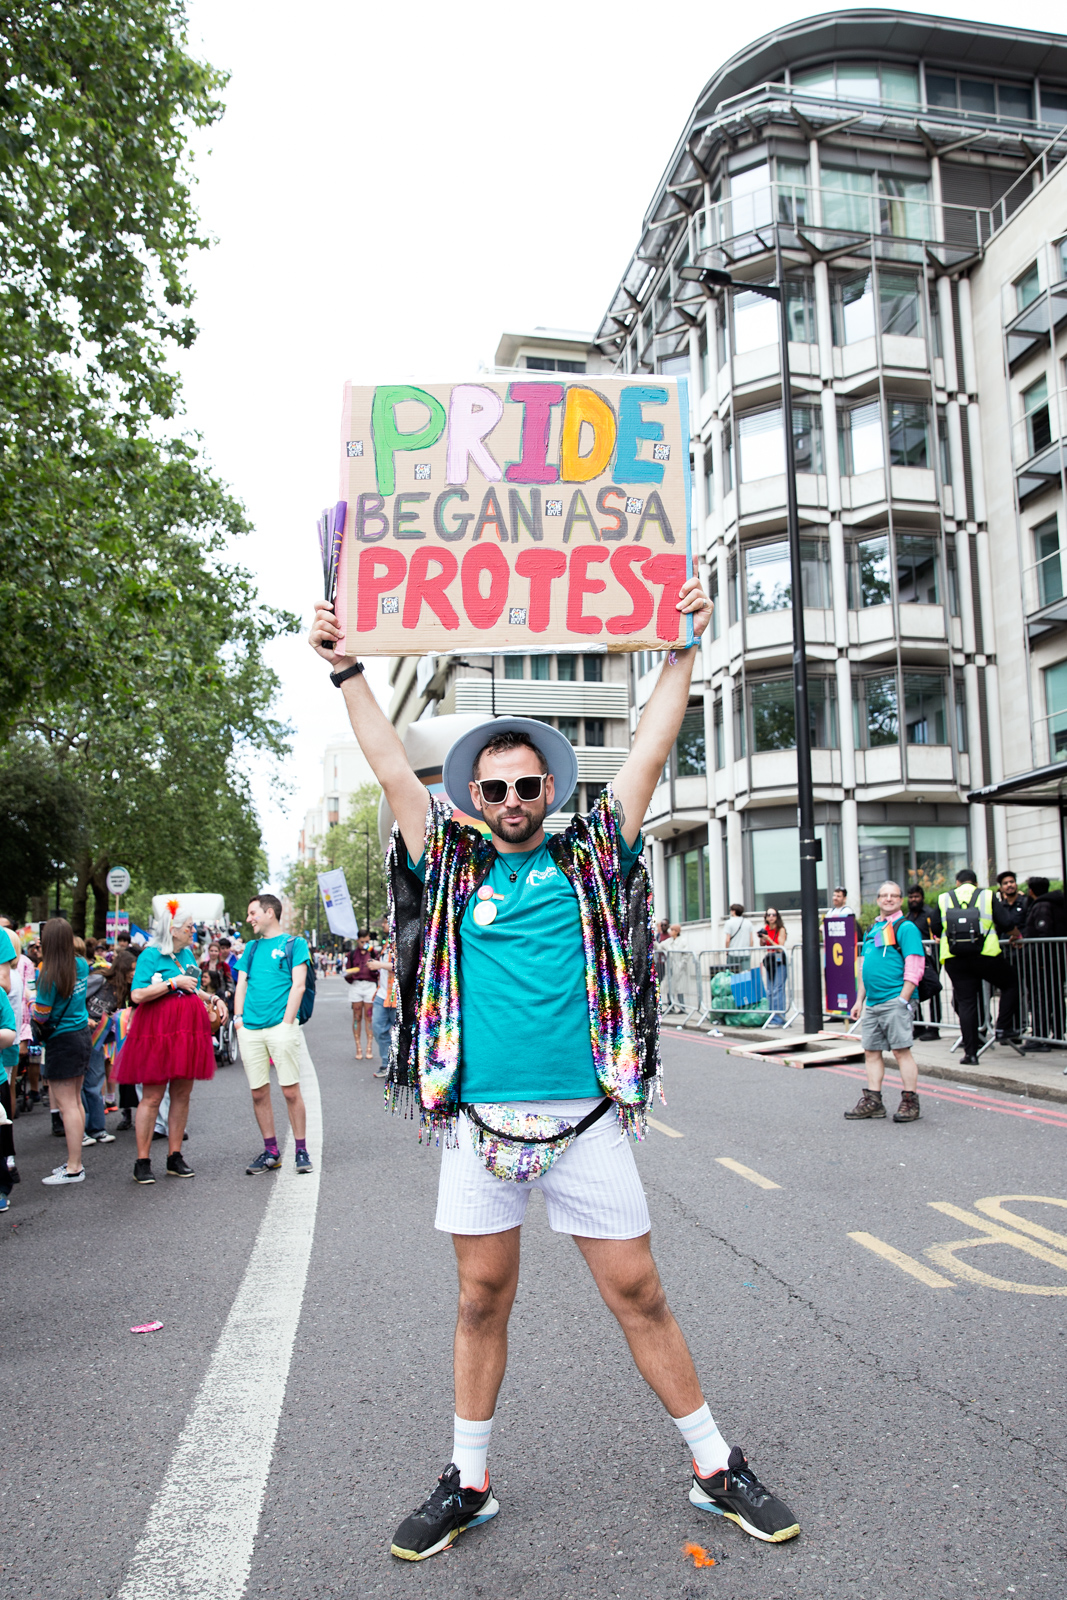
695,603
325,626
856,1009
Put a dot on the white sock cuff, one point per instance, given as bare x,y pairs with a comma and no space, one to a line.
701,1433
470,1447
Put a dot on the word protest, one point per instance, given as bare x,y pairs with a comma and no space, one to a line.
511,512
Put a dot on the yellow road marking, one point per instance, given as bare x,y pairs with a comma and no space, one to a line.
746,1172
661,1127
933,1280
990,1233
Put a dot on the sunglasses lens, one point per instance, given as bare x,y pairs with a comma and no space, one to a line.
494,790
528,788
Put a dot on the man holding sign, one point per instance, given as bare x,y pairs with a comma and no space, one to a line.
527,1037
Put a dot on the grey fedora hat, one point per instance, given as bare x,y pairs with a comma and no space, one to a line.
558,752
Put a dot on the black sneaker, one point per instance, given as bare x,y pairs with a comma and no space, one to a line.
264,1162
142,1171
177,1166
737,1493
440,1520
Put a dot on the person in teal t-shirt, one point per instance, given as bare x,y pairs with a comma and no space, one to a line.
9,1060
892,963
271,980
59,1007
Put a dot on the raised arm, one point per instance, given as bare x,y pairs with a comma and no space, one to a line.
660,720
377,737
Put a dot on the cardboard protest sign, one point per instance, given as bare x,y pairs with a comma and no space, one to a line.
548,512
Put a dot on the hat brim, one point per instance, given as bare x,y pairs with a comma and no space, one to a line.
458,770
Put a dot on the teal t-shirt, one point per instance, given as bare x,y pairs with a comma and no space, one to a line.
70,1014
883,964
269,978
524,1032
7,948
151,961
9,1058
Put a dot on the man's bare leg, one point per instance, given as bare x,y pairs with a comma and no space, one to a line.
488,1266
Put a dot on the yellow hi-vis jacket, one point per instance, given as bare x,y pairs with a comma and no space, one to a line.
964,894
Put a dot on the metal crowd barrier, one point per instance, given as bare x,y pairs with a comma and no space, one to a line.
732,986
1041,965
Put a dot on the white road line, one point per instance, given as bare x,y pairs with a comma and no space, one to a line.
200,1533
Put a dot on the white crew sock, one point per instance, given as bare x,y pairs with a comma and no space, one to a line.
470,1446
708,1447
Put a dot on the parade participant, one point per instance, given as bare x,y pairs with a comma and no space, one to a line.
63,1022
169,1042
361,975
892,963
384,1014
544,948
270,987
9,1061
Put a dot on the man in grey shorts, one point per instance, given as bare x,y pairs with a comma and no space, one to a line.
892,962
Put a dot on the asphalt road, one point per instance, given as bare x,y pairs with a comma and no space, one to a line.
916,1428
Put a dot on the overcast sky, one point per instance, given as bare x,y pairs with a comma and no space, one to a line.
390,189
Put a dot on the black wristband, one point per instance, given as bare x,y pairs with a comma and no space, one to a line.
350,672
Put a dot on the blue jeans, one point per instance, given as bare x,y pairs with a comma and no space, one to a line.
775,978
92,1090
381,1021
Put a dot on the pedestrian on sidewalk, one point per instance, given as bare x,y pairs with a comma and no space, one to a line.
63,1025
739,939
970,950
773,937
528,1039
361,975
891,965
839,905
928,921
271,977
384,1014
169,1043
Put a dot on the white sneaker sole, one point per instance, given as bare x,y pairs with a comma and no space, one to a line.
704,1502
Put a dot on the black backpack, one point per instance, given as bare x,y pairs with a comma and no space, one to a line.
307,999
963,927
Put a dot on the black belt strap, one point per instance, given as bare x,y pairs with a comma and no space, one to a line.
552,1138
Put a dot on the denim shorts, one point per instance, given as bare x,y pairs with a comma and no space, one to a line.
887,1026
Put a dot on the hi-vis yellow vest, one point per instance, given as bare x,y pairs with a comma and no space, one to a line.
964,894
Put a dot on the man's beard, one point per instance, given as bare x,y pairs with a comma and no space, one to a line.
515,833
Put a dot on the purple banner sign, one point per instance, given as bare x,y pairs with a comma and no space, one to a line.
839,948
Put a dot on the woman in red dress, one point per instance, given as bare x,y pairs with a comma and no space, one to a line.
169,1042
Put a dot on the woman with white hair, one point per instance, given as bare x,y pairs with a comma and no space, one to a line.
169,1042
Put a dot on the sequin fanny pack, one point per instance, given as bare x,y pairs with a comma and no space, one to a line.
517,1146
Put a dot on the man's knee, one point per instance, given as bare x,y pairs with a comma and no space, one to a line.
291,1091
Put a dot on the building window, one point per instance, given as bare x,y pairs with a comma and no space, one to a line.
1056,707
909,443
705,360
792,179
568,727
1061,255
1012,102
551,364
861,80
871,584
690,753
709,480
513,667
768,581
930,856
713,595
721,351
567,669
1038,421
774,720
899,306
727,460
775,858
687,881
593,669
594,732
1027,288
860,438
761,449
1047,559
539,668
925,717
959,699
918,582
1053,106
944,452
870,202
953,579
740,742
807,439
734,581
676,366
800,304
755,321
750,199
874,711
720,735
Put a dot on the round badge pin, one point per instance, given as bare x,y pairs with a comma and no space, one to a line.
485,893
484,913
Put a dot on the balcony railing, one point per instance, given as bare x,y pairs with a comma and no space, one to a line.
1039,445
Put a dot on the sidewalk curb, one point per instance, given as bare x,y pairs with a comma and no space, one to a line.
976,1080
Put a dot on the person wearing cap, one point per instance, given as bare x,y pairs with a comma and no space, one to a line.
526,999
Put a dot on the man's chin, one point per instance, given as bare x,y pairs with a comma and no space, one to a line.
515,832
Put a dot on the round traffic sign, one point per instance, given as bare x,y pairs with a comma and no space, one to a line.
118,880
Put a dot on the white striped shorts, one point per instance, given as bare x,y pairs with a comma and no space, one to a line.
592,1190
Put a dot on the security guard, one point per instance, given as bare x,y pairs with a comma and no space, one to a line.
969,971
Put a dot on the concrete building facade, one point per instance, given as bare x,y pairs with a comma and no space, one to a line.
906,166
344,770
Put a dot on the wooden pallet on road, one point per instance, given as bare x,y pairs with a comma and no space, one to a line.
806,1050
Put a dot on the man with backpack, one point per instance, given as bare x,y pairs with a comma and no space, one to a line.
1046,918
275,992
971,954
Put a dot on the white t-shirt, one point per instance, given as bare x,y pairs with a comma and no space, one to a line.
740,933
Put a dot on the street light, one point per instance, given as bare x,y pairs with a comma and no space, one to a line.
810,849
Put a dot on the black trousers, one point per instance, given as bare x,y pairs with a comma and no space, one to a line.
968,973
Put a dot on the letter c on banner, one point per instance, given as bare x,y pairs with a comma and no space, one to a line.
838,953
582,584
585,405
379,571
623,562
484,610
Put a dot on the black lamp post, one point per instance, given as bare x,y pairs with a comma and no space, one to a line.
810,848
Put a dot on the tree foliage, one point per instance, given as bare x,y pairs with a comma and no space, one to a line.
350,844
133,647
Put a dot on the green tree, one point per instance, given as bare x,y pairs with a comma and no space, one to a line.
352,845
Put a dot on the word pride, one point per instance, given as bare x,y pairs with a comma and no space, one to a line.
513,511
